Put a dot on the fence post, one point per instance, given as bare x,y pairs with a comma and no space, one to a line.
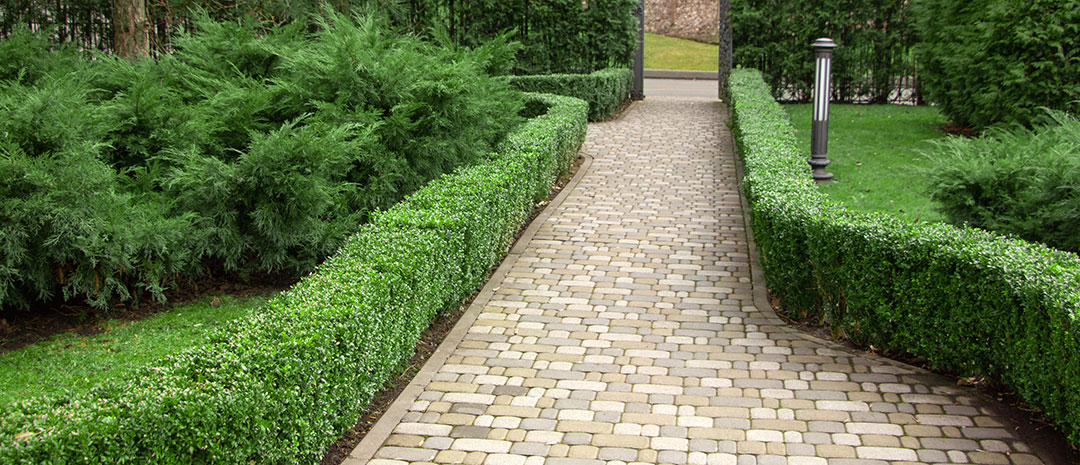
637,88
725,50
819,131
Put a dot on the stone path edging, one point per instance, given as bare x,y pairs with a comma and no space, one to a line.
382,429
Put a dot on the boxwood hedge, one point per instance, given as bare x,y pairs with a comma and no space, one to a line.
605,89
968,301
281,385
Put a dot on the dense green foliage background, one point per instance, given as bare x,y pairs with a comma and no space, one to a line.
1015,182
987,62
250,147
965,300
281,385
874,38
558,36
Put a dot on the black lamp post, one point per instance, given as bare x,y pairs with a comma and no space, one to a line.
637,88
819,132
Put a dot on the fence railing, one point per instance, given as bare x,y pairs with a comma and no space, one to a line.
874,62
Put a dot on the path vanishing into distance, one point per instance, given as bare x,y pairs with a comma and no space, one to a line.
627,326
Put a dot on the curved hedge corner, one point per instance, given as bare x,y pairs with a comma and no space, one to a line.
281,385
605,90
966,300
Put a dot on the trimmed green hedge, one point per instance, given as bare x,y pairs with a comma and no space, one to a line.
968,301
605,90
280,386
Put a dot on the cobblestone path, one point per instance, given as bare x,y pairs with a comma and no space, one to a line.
625,331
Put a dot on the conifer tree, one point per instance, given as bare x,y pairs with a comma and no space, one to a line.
131,30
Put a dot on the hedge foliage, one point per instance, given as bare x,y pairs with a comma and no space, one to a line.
874,38
248,148
987,62
1014,182
968,301
281,385
605,90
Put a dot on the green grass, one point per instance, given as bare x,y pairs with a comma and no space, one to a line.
670,53
875,154
72,363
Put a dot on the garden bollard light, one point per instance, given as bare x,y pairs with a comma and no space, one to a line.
819,131
637,88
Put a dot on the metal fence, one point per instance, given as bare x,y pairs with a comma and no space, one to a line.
874,62
87,23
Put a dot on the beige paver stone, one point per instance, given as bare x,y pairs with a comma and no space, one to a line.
504,459
620,440
450,456
886,453
584,426
474,458
835,450
481,445
559,450
404,440
751,447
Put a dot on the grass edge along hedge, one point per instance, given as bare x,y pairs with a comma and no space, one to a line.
605,89
280,386
968,301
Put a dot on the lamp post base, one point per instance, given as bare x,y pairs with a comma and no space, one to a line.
818,163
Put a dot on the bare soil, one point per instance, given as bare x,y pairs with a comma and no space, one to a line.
958,130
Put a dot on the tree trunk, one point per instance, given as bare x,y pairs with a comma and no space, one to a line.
131,31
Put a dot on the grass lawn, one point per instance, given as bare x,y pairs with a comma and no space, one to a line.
670,53
875,156
73,363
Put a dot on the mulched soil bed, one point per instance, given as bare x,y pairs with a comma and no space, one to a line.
429,341
20,328
958,130
1028,423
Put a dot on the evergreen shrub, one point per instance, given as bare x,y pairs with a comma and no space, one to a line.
1017,182
967,301
605,90
251,147
988,62
281,385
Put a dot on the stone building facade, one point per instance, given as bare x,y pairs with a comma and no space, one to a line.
688,19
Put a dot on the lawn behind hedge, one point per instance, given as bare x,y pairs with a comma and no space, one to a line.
877,156
662,52
70,364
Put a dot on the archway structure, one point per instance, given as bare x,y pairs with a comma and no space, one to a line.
724,65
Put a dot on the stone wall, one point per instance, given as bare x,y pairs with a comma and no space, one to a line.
688,19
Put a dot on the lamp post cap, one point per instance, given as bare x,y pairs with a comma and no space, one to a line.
824,42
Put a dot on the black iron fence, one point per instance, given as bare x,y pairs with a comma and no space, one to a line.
87,23
874,62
